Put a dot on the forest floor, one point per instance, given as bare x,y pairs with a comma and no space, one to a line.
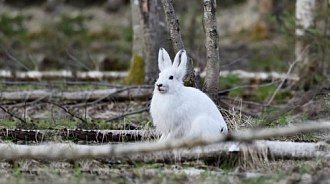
43,116
91,39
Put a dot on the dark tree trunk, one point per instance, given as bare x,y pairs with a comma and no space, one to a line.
149,22
176,38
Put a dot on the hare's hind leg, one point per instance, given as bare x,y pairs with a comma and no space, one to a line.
204,126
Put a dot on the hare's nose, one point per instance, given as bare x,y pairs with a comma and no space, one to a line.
159,85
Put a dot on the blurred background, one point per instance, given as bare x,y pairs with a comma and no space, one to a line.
69,68
101,35
47,35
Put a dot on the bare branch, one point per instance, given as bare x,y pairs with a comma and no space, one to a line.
11,57
128,114
73,58
286,76
68,111
12,114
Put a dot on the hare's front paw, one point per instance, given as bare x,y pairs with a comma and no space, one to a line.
164,138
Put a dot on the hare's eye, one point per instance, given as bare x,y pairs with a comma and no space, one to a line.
171,77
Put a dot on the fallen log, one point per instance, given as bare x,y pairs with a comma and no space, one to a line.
202,147
126,93
259,75
62,151
111,75
63,74
98,136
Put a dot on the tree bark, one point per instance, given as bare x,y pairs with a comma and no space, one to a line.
176,38
305,21
212,48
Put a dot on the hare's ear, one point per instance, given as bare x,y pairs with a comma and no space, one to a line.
164,60
180,63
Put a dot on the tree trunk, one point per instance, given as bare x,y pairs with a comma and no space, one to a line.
212,48
176,38
324,27
137,46
305,21
149,22
278,7
265,8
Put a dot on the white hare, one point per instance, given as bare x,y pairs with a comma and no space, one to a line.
178,111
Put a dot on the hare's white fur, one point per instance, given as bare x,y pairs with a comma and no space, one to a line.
178,111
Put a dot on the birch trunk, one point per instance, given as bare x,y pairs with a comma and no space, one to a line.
212,48
305,21
176,38
127,152
212,146
137,45
113,75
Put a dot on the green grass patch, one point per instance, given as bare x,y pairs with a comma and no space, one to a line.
230,81
72,25
7,123
12,25
274,178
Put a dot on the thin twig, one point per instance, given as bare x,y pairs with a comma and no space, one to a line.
67,111
128,114
11,57
233,61
12,114
73,58
240,110
286,76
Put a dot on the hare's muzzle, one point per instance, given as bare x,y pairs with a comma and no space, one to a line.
161,88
